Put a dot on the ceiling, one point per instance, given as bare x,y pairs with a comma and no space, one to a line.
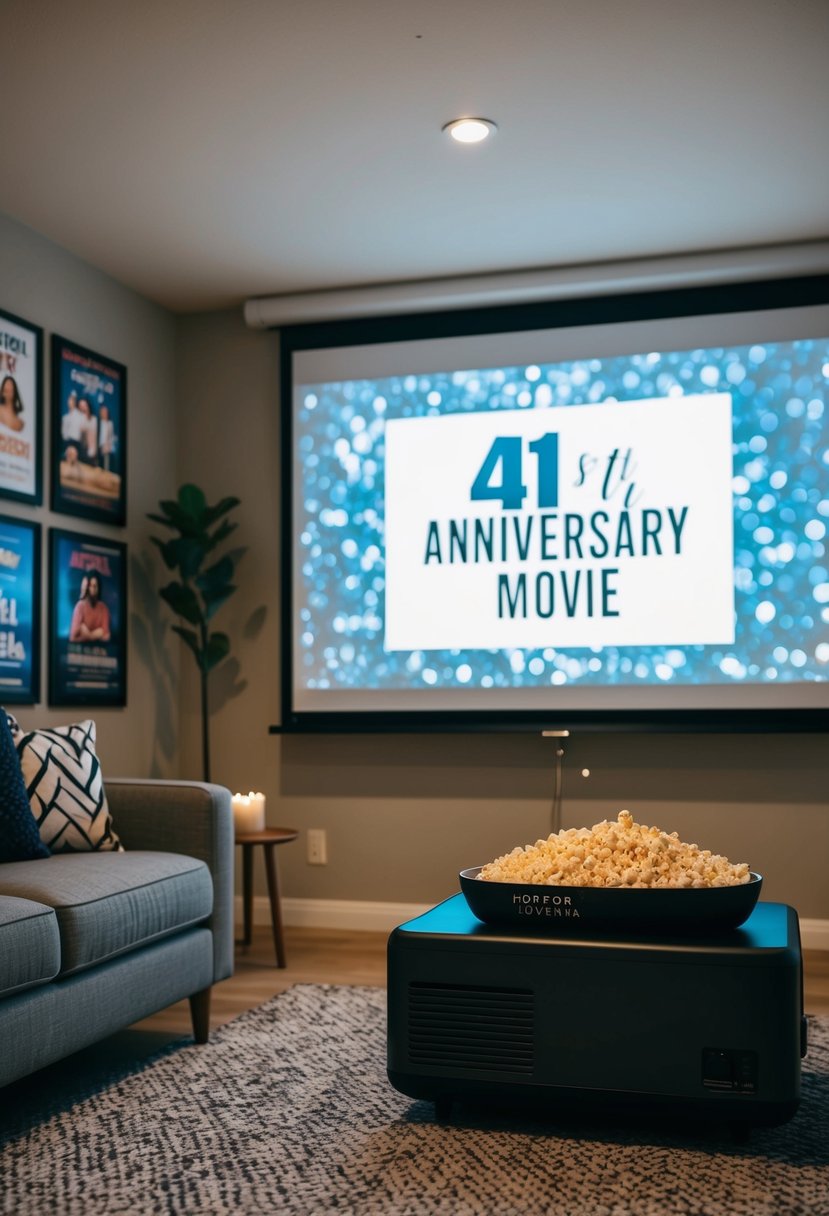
206,151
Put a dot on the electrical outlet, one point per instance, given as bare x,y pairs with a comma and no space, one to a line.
317,847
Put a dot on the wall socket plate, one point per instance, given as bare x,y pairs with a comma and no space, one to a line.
317,851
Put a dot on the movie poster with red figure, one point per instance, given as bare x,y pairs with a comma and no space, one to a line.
87,620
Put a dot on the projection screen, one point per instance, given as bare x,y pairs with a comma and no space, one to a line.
606,513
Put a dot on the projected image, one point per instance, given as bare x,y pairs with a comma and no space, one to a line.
642,520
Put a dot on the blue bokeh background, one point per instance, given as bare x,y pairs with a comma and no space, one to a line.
781,515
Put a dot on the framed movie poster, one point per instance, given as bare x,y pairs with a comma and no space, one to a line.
87,620
89,434
19,612
21,434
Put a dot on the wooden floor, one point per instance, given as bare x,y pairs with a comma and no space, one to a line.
331,956
816,981
314,956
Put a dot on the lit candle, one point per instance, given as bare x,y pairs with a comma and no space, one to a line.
257,801
248,813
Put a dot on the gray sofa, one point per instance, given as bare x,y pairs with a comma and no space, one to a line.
91,942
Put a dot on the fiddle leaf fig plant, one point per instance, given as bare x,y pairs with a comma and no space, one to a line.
203,584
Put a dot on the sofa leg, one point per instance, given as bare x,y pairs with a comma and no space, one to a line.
200,1014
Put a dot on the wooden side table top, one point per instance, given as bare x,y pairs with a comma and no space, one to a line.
268,836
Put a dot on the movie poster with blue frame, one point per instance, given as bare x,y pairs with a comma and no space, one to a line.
87,619
19,611
89,434
21,409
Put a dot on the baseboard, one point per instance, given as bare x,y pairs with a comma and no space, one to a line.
336,913
382,918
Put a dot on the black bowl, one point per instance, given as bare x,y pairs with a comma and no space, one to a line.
574,910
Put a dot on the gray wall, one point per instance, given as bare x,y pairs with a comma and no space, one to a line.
52,289
405,813
402,812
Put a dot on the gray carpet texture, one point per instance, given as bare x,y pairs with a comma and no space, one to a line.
288,1110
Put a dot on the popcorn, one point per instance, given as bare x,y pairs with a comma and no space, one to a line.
615,854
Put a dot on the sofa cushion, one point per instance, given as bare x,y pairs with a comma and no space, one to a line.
29,944
19,837
65,787
108,903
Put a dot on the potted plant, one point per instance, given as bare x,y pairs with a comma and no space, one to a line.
204,581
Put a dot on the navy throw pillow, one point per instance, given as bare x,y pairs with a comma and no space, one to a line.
19,837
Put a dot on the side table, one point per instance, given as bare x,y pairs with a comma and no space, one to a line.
268,838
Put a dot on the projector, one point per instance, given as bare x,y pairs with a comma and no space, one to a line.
707,1027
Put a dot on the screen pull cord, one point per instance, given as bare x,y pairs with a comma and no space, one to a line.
558,777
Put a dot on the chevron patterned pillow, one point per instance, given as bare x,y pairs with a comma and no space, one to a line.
65,788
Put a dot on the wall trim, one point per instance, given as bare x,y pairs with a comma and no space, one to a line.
350,913
335,913
383,917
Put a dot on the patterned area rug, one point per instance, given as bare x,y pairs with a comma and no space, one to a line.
289,1110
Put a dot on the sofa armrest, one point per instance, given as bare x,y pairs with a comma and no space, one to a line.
188,817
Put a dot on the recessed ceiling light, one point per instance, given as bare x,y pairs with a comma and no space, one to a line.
470,130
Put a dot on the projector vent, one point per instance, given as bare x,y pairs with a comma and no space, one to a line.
459,1026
